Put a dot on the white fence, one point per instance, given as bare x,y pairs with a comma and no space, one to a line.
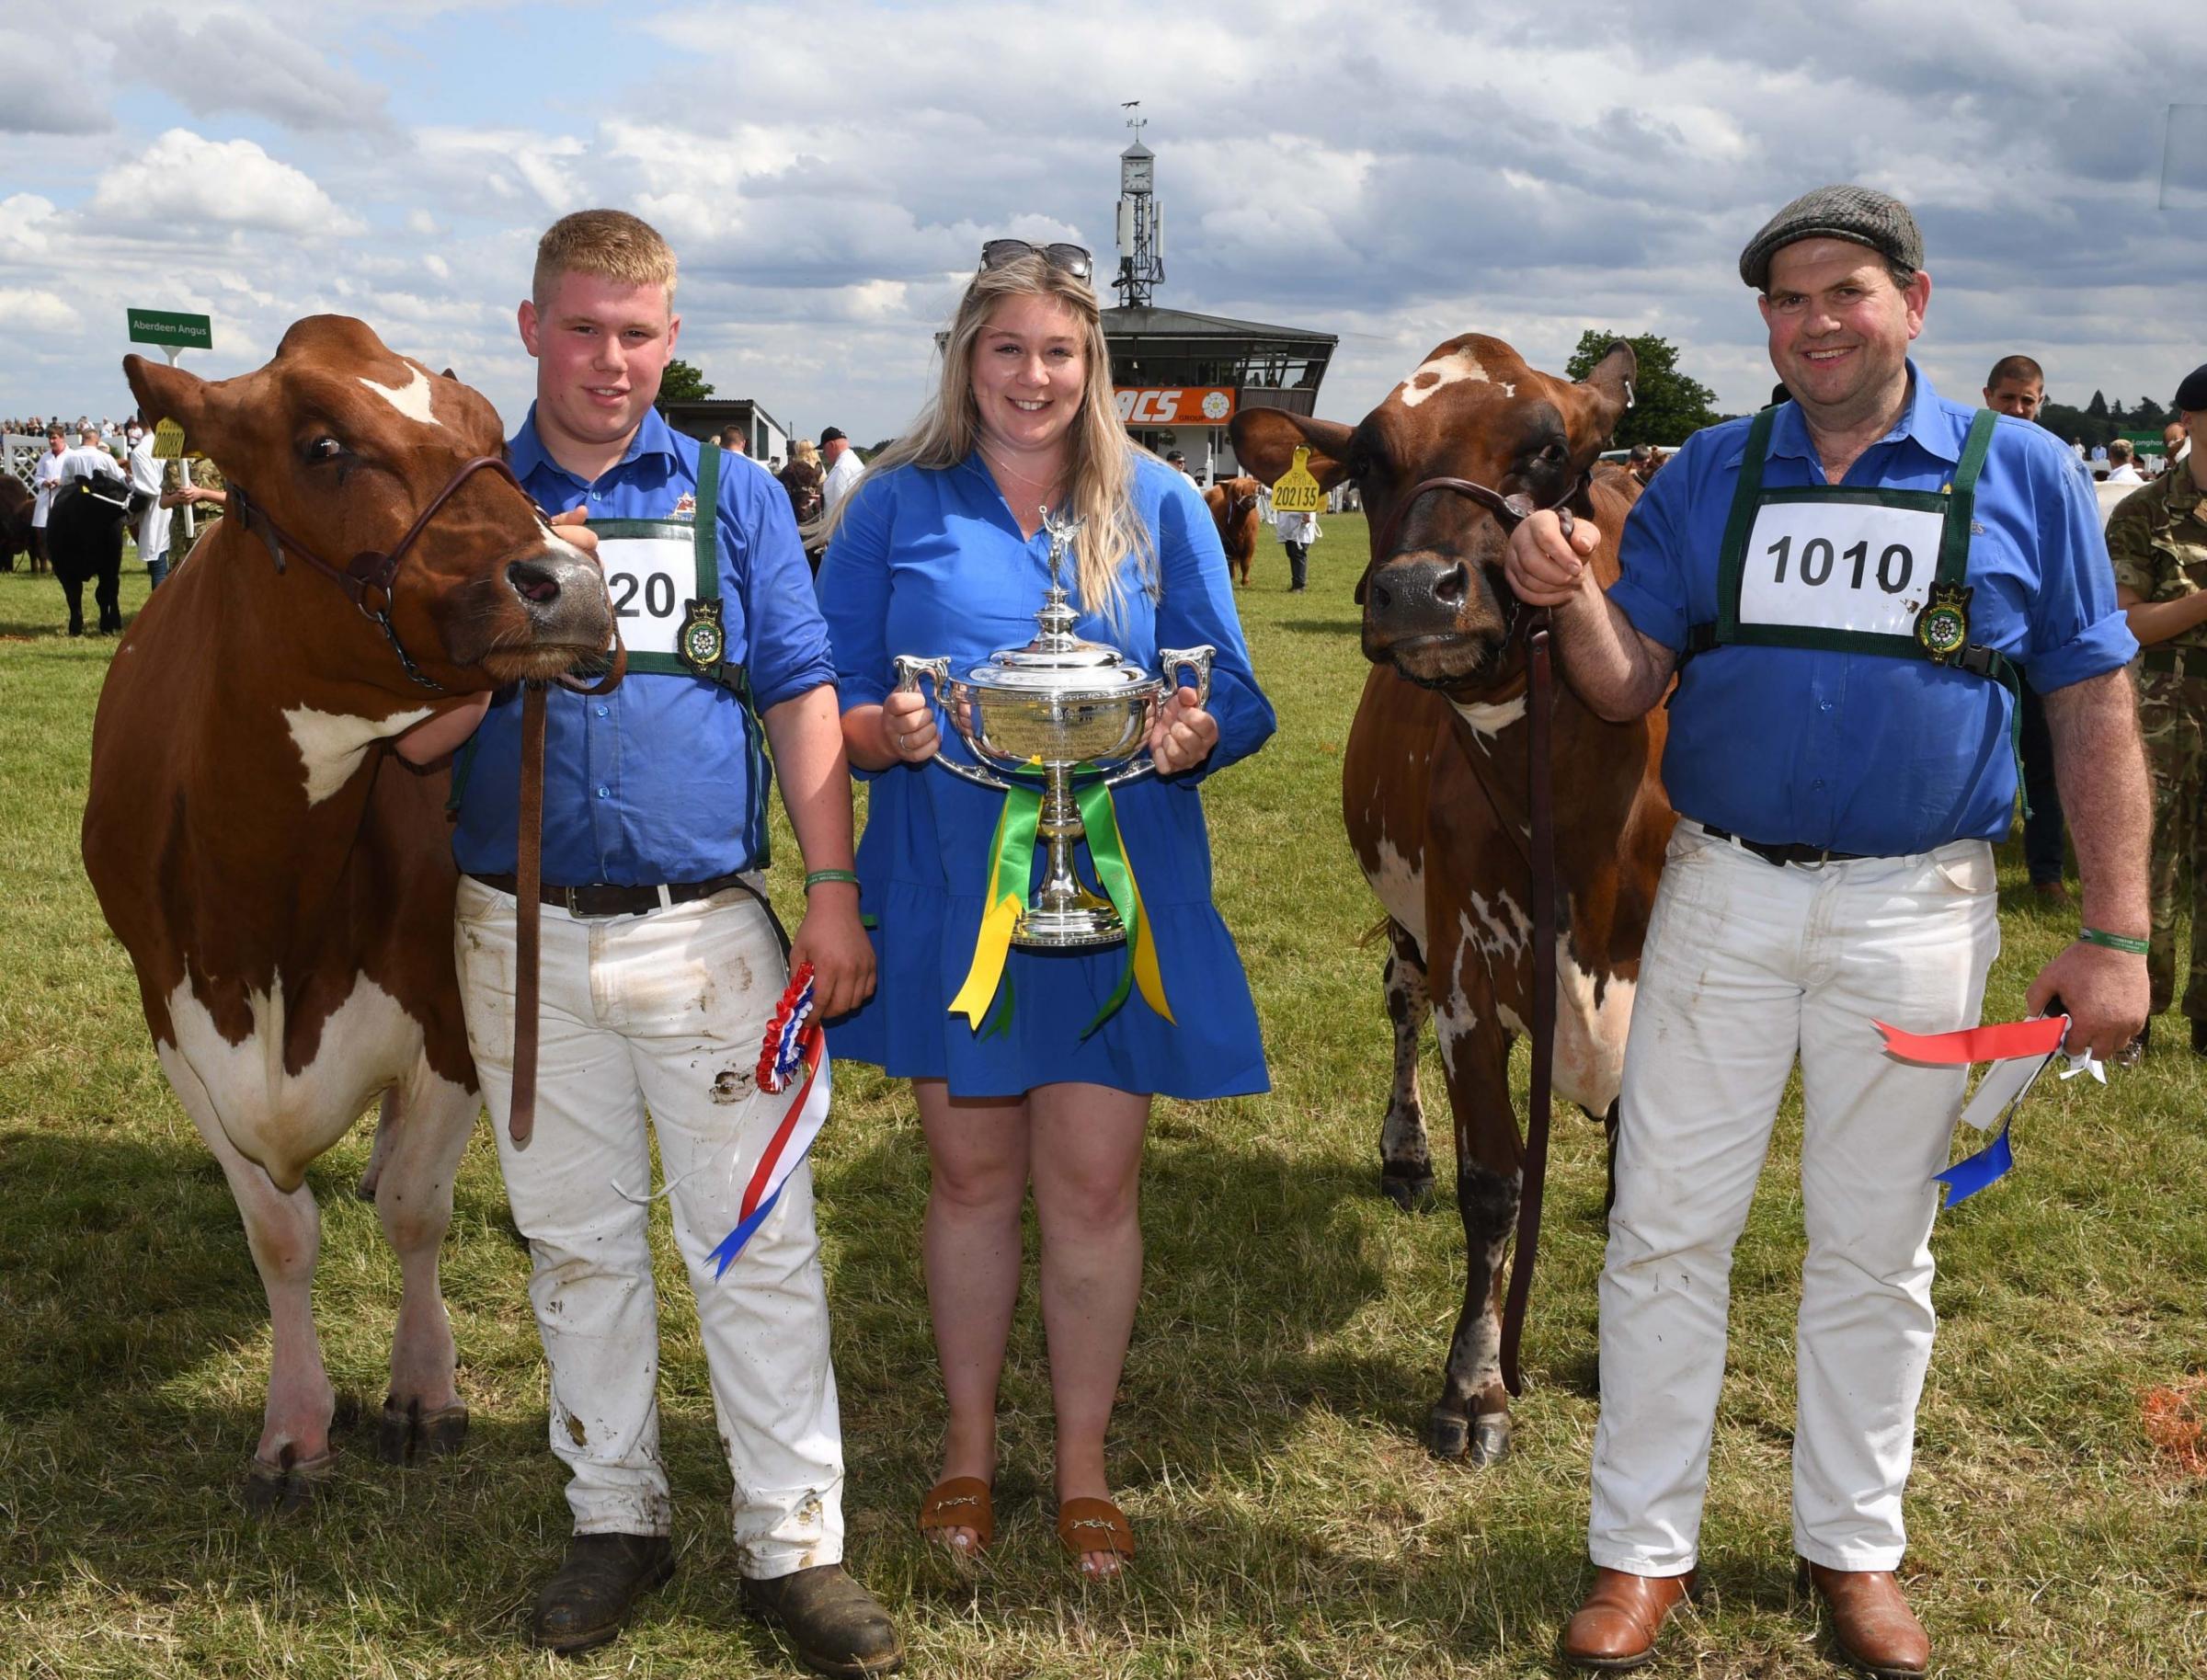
20,453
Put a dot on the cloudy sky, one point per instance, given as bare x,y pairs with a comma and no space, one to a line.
1396,173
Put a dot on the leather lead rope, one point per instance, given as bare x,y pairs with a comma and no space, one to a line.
1533,1176
520,1120
528,882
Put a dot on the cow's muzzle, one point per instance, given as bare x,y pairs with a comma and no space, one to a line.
566,615
1437,620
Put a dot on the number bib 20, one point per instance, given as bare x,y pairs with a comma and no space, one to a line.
648,579
1854,566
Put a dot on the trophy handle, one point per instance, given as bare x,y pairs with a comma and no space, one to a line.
909,670
1172,661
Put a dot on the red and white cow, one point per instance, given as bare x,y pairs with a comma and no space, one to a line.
282,882
1434,788
1233,505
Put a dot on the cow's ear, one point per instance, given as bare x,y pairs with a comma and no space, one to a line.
209,411
1265,440
1610,380
453,376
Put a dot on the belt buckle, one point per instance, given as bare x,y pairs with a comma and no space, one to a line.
566,899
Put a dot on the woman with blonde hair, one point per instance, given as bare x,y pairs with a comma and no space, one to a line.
1047,1079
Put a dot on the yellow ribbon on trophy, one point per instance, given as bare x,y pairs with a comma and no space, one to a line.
1011,873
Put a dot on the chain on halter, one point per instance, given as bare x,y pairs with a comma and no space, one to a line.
370,570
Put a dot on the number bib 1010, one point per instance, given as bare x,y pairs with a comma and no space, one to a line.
648,579
1853,566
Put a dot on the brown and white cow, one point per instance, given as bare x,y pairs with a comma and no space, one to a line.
1233,505
282,882
1435,794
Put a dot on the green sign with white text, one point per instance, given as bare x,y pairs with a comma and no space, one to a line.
161,326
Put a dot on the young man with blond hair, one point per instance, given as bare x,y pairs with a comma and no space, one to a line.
662,966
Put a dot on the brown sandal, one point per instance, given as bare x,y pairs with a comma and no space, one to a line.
960,1502
1094,1524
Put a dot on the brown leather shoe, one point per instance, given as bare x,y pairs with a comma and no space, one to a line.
1876,1629
1616,1627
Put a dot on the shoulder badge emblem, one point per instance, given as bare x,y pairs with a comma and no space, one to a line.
686,507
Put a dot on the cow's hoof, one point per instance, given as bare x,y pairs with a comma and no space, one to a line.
409,1435
1490,1437
281,1490
1447,1434
1410,1191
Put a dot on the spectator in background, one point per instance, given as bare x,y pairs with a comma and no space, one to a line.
735,441
2122,463
801,481
1643,463
88,460
149,519
1297,532
2017,385
843,468
2157,540
45,479
2176,443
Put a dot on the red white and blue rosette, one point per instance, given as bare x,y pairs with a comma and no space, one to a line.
794,1054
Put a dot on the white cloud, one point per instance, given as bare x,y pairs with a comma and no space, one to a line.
184,179
53,83
37,312
229,60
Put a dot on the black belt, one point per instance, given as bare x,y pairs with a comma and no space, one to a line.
2175,662
604,901
1793,851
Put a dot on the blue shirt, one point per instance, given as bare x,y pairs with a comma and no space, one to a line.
1867,752
931,562
655,781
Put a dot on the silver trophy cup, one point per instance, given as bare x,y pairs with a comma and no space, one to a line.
1054,704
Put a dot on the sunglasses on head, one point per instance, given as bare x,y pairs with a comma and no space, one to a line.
1072,258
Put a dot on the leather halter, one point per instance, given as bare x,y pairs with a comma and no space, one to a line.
369,570
1511,510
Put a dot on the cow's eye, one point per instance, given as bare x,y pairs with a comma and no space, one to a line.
323,448
1553,455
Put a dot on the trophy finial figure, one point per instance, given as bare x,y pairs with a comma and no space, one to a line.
1061,528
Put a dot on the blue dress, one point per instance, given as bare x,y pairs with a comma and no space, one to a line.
929,562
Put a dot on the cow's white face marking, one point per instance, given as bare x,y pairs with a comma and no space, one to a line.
1401,889
1489,718
411,399
330,742
1441,371
280,1121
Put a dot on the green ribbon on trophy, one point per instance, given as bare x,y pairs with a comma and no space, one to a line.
1011,867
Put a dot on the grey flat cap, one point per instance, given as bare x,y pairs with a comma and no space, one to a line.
1860,214
2191,395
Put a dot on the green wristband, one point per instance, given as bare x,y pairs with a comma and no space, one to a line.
819,875
2114,942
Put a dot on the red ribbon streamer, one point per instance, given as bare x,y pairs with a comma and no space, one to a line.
1999,1043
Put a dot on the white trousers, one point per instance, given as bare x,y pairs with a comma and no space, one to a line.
1747,965
661,1013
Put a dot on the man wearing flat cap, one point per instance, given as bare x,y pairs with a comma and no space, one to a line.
1849,585
2157,538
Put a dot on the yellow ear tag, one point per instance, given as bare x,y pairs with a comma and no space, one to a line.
1296,491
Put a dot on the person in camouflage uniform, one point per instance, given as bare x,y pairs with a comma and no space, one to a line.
2157,538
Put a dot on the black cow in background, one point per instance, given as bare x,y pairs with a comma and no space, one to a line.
83,541
16,505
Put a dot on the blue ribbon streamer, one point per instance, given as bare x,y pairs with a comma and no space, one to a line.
1965,1178
733,1242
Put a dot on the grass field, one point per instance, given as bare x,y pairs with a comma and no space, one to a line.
1289,1344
